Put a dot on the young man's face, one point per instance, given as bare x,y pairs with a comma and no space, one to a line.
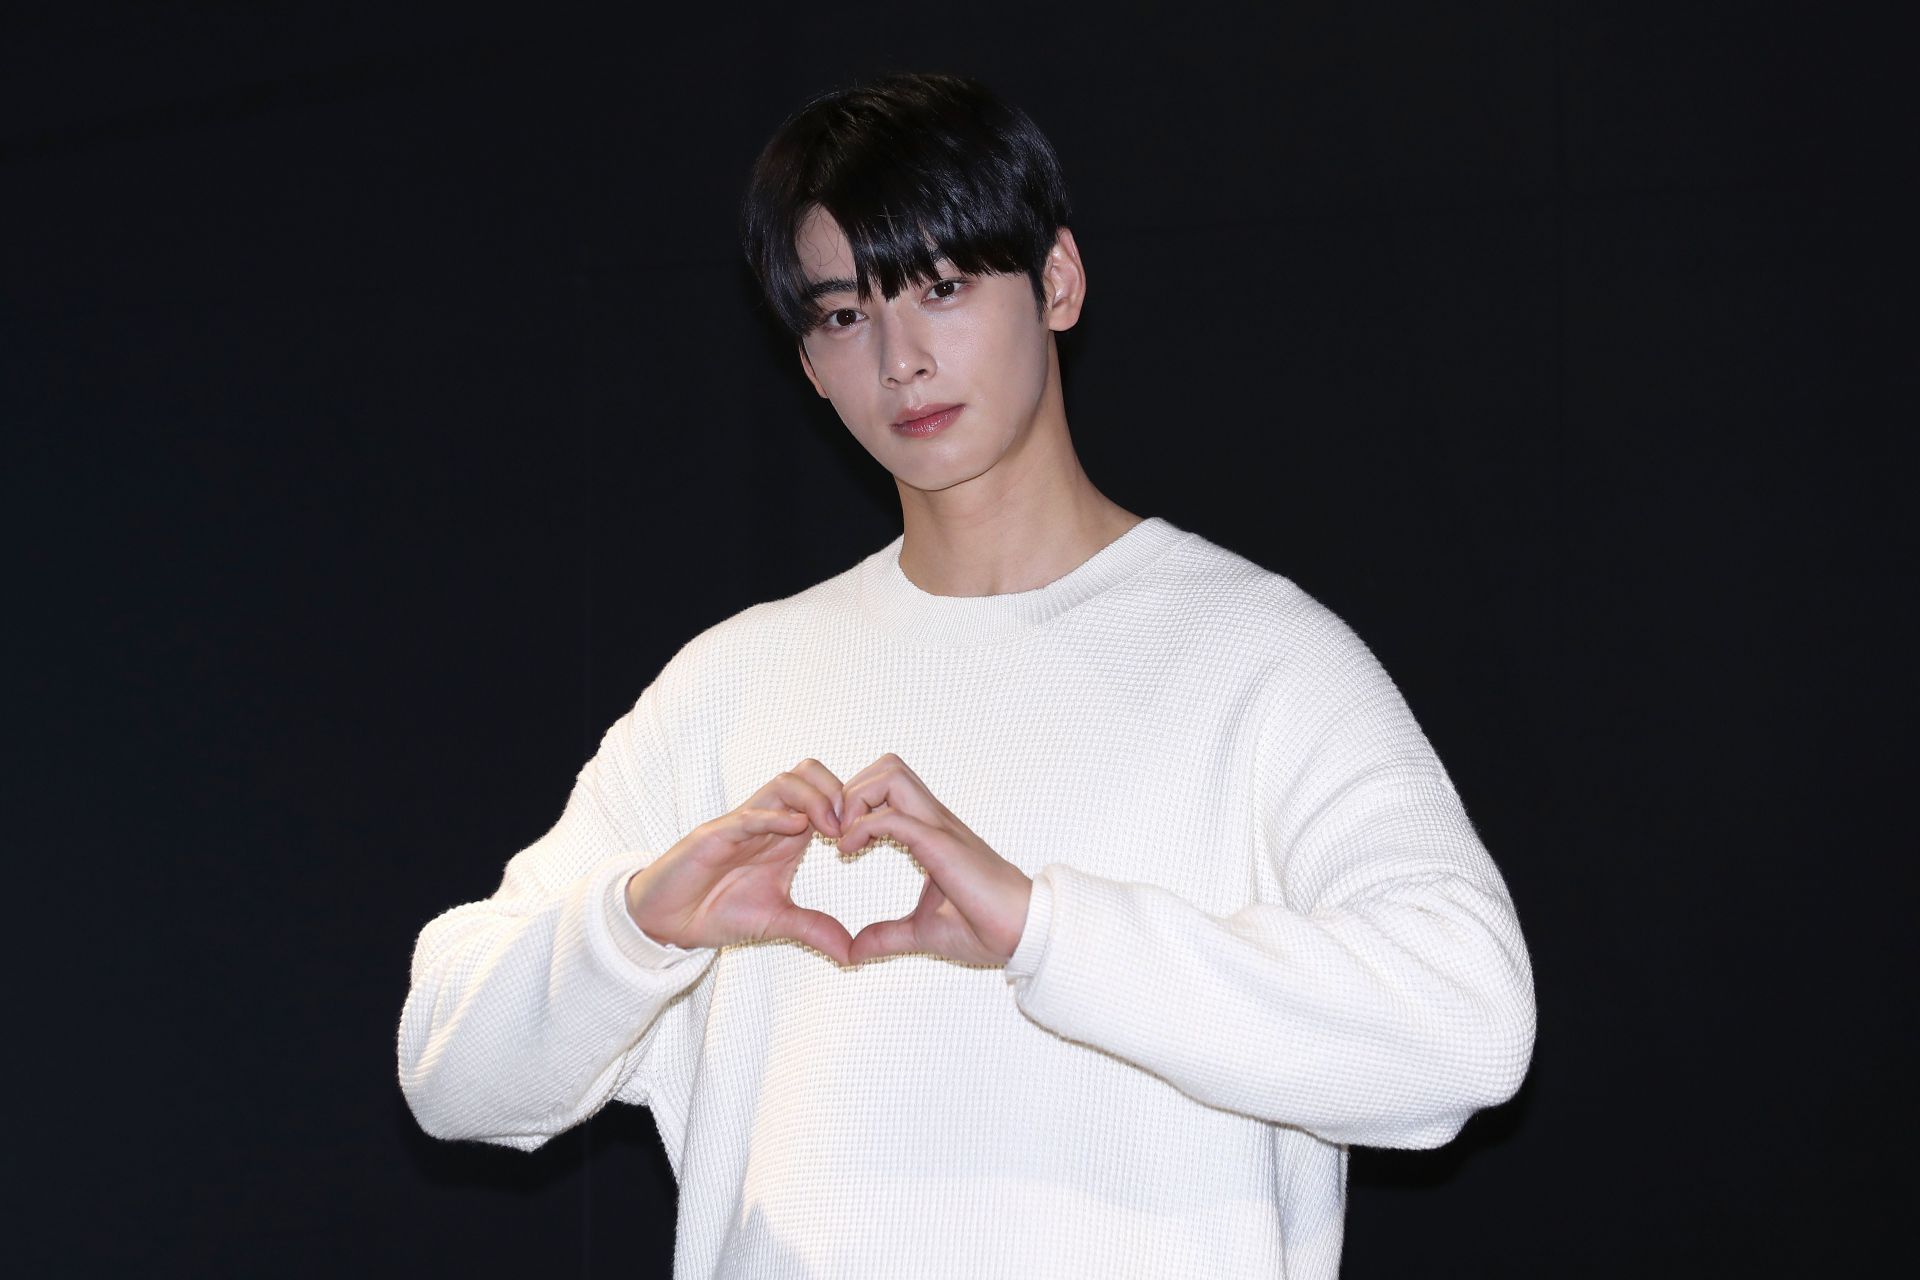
978,342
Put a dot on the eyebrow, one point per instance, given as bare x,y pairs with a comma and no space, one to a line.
819,289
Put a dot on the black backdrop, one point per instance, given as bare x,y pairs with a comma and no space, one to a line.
385,401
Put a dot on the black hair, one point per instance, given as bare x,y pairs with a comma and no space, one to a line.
914,167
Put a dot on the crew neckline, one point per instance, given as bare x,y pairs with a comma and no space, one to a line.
892,602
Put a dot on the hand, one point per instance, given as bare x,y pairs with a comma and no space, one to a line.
727,880
974,907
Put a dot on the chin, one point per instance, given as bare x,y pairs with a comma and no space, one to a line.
965,451
934,479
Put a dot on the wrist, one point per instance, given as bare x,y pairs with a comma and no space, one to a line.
633,893
628,934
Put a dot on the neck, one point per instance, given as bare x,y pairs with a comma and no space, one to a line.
1032,518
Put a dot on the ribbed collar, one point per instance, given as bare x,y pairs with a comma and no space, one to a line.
892,602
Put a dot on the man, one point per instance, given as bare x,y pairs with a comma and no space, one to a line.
1182,904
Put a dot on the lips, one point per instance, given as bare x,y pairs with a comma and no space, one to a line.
927,419
921,412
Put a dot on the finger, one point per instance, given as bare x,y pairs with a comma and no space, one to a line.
851,786
818,930
809,787
954,874
748,823
823,780
887,781
884,938
927,843
908,769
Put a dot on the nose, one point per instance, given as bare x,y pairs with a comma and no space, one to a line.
906,354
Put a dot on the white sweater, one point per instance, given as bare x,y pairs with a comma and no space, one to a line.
1262,928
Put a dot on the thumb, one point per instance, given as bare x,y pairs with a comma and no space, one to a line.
818,930
886,938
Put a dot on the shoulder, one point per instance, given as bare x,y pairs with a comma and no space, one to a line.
1324,707
1251,612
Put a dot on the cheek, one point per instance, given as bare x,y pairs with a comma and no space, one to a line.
1023,364
842,380
1006,357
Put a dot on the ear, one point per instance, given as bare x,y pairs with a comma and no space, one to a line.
807,364
1064,282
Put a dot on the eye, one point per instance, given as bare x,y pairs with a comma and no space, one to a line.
840,318
945,288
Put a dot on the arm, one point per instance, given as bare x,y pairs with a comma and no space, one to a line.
529,1009
1380,999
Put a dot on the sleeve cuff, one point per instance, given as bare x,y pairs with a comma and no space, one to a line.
628,938
1026,957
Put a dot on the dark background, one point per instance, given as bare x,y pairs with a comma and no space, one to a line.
385,401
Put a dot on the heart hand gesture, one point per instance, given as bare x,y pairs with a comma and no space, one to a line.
974,906
728,880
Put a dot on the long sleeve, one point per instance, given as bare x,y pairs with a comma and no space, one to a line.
1262,928
1380,997
530,1009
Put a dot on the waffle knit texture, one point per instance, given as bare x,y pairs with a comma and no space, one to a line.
1262,929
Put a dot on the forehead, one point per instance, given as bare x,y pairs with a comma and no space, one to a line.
822,247
823,250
